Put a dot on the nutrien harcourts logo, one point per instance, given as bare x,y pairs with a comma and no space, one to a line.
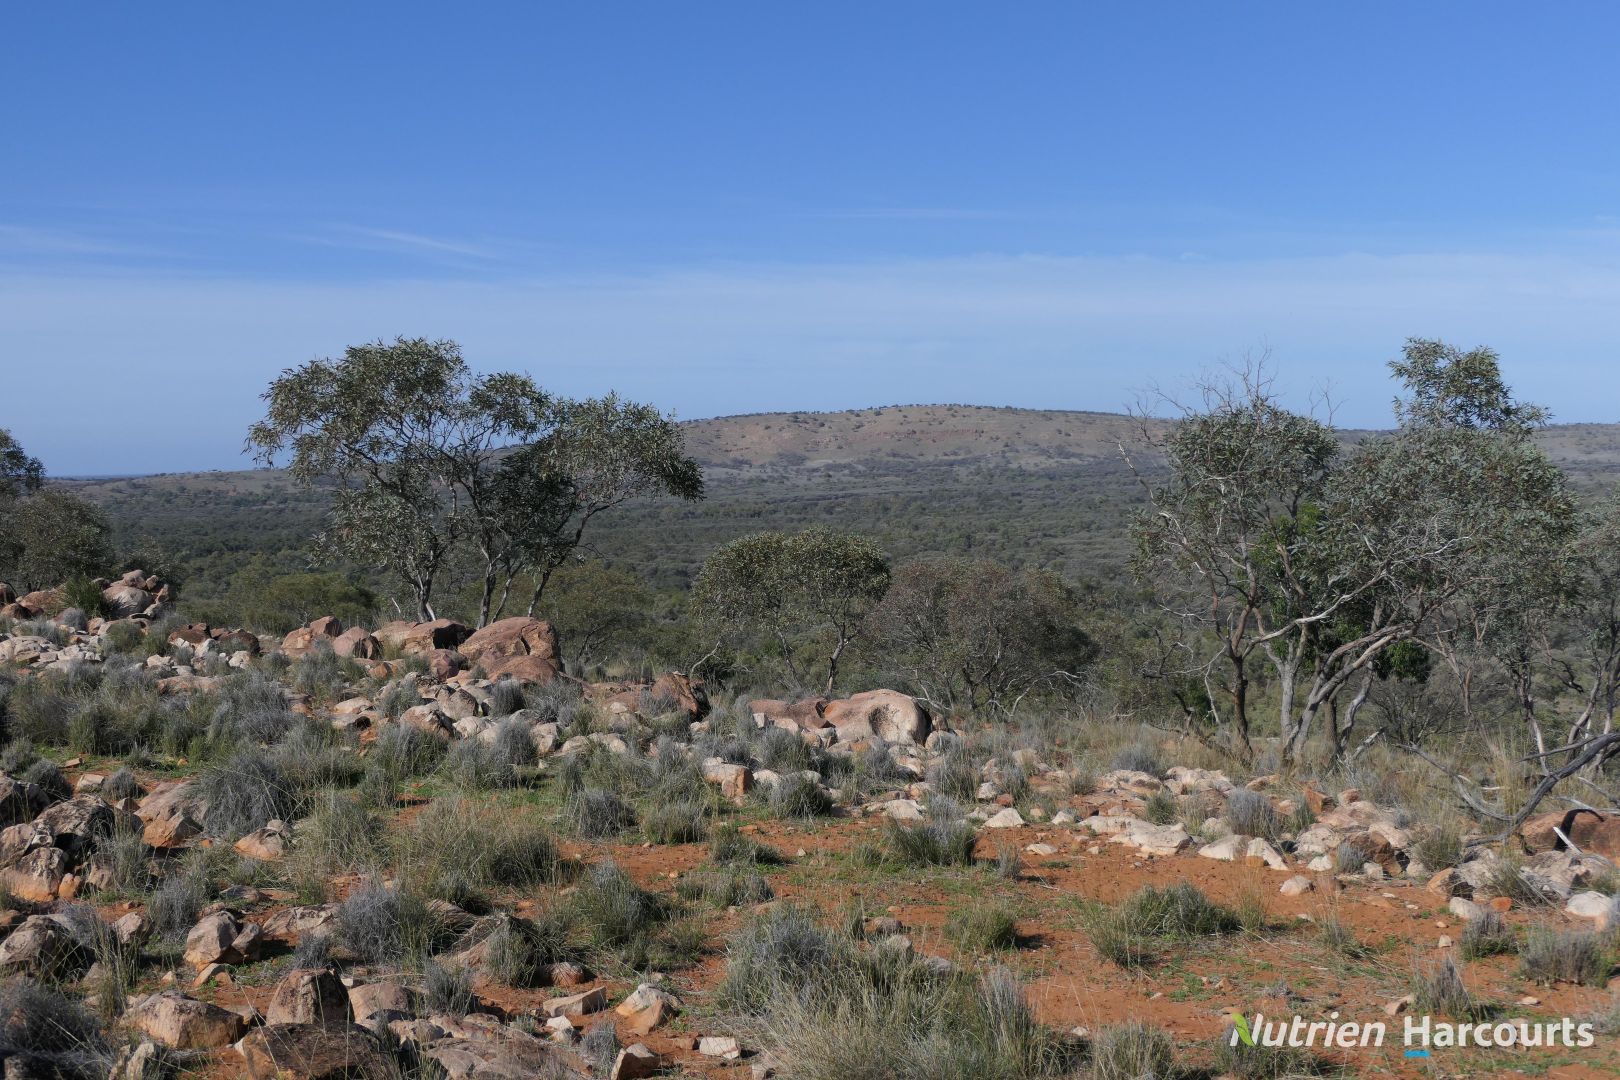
1419,1034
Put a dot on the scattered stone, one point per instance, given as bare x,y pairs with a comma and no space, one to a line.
1005,819
581,1004
1297,885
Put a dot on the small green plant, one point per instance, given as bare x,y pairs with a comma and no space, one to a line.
1486,934
1439,848
1161,808
943,840
982,927
1440,990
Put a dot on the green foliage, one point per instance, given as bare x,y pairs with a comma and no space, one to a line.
815,586
976,636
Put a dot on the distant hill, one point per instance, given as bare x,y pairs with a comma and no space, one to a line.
1026,486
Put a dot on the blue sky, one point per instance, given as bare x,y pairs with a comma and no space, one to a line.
738,207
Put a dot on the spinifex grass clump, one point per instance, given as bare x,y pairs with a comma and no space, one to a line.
835,1010
1131,933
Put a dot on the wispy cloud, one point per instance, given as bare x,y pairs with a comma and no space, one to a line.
1006,329
21,241
374,239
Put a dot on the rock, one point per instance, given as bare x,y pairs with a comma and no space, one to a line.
580,1004
519,648
1129,782
126,600
1005,819
487,1051
178,1020
1592,905
140,1061
1297,885
1260,849
269,842
211,940
42,946
805,715
357,643
734,781
1464,909
36,877
384,999
311,1052
77,825
1590,831
416,639
1150,839
883,714
634,1062
1226,849
310,997
1399,1005
132,929
429,719
720,1046
1042,850
443,663
646,1009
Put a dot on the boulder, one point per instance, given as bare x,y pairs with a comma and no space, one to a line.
126,600
581,1004
313,1052
443,663
178,1020
385,999
517,636
36,877
20,802
883,714
43,946
805,715
1005,819
418,638
358,643
310,997
219,939
266,843
78,824
1588,830
734,781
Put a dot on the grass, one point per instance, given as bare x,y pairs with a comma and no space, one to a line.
244,792
385,925
730,846
940,841
983,927
1582,957
683,822
1438,848
1440,990
832,1011
1132,1051
727,886
1131,933
799,798
614,910
1486,934
1142,759
1249,813
1233,1058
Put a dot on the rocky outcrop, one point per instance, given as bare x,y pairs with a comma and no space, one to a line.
883,714
418,638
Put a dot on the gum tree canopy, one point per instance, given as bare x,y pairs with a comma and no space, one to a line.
1272,545
430,460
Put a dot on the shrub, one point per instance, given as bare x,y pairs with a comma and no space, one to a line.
378,924
1237,1059
983,926
341,834
727,845
244,793
124,636
1249,813
1349,857
615,910
322,673
49,778
1132,1051
939,841
1180,912
684,822
124,854
514,744
799,797
600,1046
473,766
505,698
775,956
460,849
956,774
596,814
520,953
312,755
173,908
1142,759
1440,990
1439,848
1486,934
40,1022
401,752
251,708
448,988
1581,957
1161,808
121,785
781,750
730,886
1507,878
1335,935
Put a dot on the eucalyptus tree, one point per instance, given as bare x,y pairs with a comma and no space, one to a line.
973,636
1270,541
818,584
431,461
47,536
